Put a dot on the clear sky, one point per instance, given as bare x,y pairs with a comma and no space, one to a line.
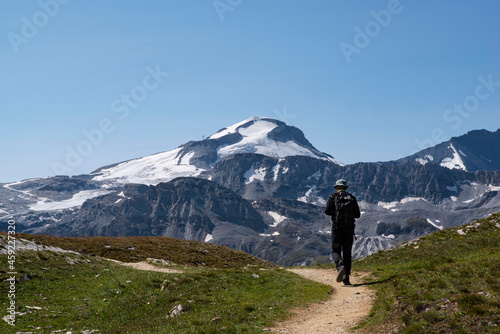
89,83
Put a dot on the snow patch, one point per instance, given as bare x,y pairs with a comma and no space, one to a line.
426,159
255,174
208,238
392,205
269,235
8,186
76,200
455,162
278,219
316,176
387,205
307,194
186,158
422,161
276,169
434,224
151,170
320,201
493,188
412,199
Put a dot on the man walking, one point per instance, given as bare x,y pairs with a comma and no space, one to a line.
344,209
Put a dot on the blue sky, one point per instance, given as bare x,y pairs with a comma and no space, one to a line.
115,80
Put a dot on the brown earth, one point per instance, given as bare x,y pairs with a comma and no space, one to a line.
346,306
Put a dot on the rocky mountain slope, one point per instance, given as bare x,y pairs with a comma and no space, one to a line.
261,187
185,208
474,151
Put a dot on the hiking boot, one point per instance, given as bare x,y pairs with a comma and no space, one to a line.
340,275
346,280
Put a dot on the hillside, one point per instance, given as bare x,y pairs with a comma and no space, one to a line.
445,282
60,291
135,249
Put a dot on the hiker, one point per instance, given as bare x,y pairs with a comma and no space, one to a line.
343,208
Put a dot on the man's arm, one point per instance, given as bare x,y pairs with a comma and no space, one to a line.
356,212
330,206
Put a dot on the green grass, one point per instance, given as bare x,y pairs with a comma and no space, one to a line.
441,283
95,294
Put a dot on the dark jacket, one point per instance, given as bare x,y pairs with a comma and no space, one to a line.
330,208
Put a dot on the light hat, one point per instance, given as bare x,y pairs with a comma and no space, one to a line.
341,183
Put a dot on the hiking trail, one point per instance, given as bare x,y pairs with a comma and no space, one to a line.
144,265
346,306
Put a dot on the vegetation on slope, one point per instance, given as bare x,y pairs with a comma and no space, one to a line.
60,292
136,249
446,282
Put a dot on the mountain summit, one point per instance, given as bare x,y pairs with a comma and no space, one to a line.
259,135
473,151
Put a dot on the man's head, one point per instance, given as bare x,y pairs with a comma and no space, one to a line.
341,184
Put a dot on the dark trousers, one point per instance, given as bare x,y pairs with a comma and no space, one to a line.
342,239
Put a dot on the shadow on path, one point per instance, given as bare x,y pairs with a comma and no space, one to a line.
374,282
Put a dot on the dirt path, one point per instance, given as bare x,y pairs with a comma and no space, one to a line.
345,307
146,266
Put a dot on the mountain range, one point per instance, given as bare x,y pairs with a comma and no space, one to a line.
260,186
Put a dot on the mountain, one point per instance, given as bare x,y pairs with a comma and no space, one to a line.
260,186
257,135
185,208
474,151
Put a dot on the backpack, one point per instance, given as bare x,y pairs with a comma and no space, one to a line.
344,207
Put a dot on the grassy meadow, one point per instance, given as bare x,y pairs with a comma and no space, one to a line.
446,282
220,290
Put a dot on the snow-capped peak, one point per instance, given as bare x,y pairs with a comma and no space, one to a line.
256,134
473,151
268,137
234,128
